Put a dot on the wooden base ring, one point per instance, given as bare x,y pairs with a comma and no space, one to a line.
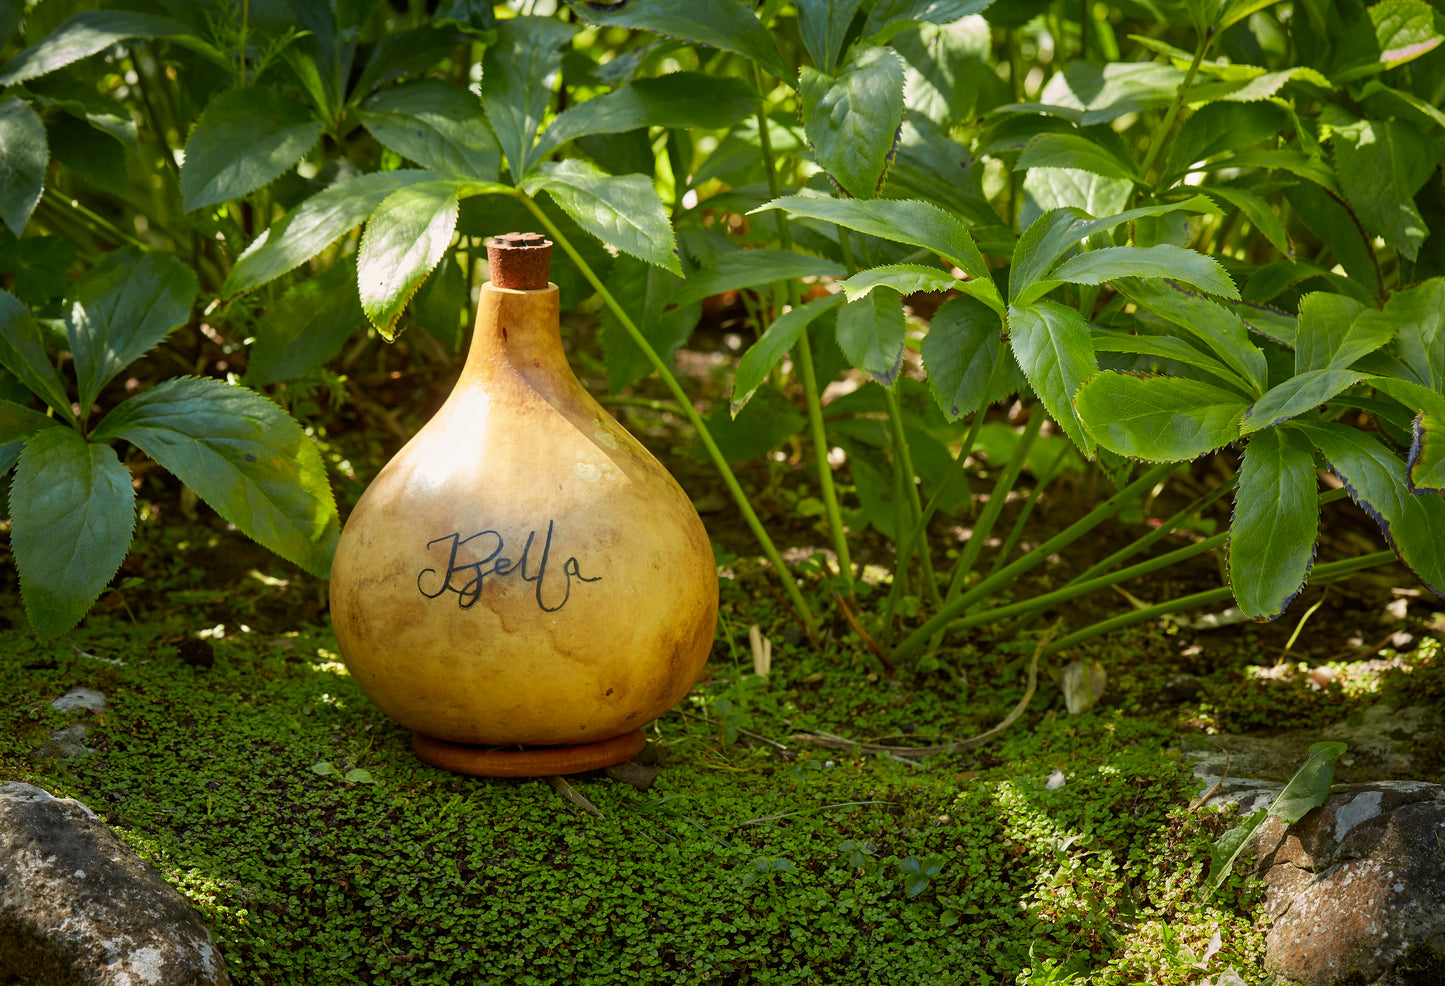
523,761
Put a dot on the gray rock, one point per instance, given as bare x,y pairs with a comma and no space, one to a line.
80,698
78,908
64,744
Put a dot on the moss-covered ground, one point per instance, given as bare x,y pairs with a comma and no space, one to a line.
237,755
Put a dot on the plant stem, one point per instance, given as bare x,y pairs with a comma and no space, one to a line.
1156,143
996,501
750,516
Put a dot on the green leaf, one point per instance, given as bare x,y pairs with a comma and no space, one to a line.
244,139
1158,261
358,775
24,156
727,25
871,333
438,125
681,99
1418,315
1220,128
1088,93
1276,522
739,269
122,308
920,224
402,53
888,17
314,225
903,278
773,345
1304,391
1055,150
1052,345
769,420
1413,523
244,456
1061,188
1391,33
1259,213
823,24
852,119
1326,215
81,36
1169,348
1426,472
643,291
22,352
325,769
1382,164
959,352
305,327
73,512
1334,331
1160,419
515,83
624,211
403,241
18,422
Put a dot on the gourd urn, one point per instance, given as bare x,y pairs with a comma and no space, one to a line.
524,586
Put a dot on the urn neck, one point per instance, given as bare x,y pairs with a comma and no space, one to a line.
516,329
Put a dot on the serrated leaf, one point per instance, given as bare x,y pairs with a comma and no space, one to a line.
244,139
1160,419
903,278
120,309
1220,128
1390,33
404,239
871,333
1334,331
1059,188
1413,523
241,454
1159,261
1052,345
24,156
438,125
515,83
314,225
888,17
1089,93
1382,164
1056,150
643,292
1426,466
22,352
959,352
822,25
18,422
81,36
1259,213
852,119
72,507
1272,538
727,24
1169,348
1221,329
305,327
1300,393
1418,316
739,269
622,211
773,345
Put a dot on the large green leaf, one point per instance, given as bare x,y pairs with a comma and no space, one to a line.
773,345
950,74
314,225
24,156
22,352
1426,468
622,211
920,224
680,99
1276,521
18,422
120,309
1259,213
888,17
1052,345
305,327
1169,348
1158,261
1220,128
404,239
903,278
404,53
726,24
81,36
1327,215
959,352
1382,164
1161,419
643,291
1390,33
72,507
1071,188
438,125
1334,331
244,139
244,456
852,118
516,87
1088,93
1302,392
823,24
871,332
739,269
1059,150
1413,523
1418,315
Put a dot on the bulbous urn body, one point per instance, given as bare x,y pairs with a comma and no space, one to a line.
523,571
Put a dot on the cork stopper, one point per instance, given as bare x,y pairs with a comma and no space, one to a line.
520,261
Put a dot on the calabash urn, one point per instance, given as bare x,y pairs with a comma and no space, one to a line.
524,585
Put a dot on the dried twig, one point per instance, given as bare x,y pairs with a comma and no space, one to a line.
575,796
863,634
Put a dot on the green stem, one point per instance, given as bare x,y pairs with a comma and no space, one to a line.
1030,503
911,494
996,501
750,516
1156,143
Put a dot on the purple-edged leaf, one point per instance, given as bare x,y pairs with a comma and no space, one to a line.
903,278
1161,419
81,36
959,352
120,309
1052,345
1334,331
1413,523
1390,33
852,119
72,507
1300,393
22,352
404,240
871,332
622,211
773,345
1427,453
1273,535
244,456
244,139
24,156
1113,263
1218,327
